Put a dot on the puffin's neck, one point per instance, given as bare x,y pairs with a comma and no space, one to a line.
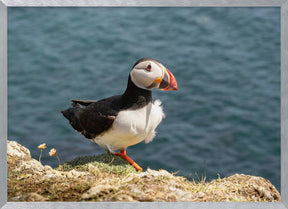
135,97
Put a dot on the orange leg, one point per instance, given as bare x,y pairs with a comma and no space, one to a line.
129,160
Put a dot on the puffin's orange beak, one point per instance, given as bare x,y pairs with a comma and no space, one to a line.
168,82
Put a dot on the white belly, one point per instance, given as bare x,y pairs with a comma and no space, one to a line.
131,127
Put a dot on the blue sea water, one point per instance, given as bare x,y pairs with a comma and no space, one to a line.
224,118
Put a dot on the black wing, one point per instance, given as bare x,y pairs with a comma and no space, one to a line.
94,119
99,116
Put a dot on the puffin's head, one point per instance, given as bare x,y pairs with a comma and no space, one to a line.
149,73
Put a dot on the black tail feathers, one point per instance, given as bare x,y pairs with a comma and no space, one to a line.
71,116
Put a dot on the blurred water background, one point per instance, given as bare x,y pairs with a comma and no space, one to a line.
224,118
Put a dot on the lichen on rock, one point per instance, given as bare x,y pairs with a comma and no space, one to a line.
110,178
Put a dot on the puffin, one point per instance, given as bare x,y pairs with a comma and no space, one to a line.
120,121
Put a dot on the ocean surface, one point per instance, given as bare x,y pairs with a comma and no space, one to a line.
224,118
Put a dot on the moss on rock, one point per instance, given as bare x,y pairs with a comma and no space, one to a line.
104,162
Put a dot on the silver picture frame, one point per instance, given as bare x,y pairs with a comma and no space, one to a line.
4,4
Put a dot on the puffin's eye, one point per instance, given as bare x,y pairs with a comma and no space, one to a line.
148,68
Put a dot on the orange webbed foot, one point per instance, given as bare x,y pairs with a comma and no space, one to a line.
123,155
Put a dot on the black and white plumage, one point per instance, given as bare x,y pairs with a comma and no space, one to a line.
118,122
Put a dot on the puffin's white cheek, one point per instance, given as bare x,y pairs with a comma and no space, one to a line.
145,79
140,79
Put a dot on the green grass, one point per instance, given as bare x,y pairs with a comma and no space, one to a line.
106,162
